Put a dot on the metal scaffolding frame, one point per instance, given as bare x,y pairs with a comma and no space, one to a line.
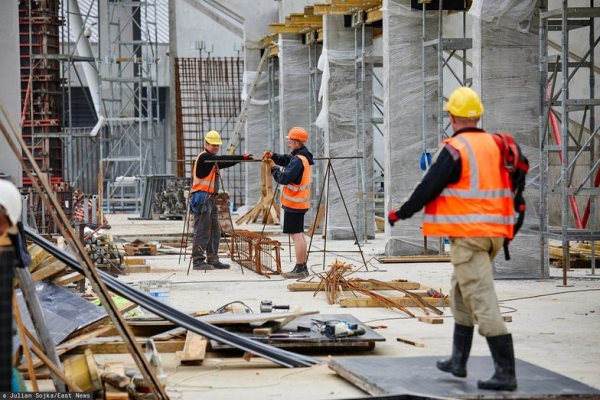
129,91
569,133
41,85
366,194
445,49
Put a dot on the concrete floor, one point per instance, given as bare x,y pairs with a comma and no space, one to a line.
553,326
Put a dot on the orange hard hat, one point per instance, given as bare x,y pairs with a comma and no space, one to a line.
298,133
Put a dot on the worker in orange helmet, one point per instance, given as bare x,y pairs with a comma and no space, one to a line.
467,196
295,196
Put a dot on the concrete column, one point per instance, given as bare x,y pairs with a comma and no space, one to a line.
10,90
293,83
403,116
505,73
343,135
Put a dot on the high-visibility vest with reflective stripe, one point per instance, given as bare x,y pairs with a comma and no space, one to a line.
298,196
480,204
206,184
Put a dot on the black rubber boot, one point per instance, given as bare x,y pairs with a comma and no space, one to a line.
504,377
461,348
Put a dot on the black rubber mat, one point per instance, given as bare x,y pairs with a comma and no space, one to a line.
419,376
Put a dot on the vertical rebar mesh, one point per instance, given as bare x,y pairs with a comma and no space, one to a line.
208,97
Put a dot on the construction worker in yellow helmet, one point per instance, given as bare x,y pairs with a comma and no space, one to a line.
205,187
467,197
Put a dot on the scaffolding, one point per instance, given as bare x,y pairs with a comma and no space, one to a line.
569,132
41,85
129,92
364,74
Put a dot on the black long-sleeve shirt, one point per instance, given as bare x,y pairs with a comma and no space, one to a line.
446,170
203,168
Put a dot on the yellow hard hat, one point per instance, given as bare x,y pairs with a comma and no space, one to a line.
464,102
213,137
298,133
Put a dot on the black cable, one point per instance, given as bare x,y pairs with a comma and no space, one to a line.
549,294
223,308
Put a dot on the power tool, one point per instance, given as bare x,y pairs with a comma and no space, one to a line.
341,329
267,306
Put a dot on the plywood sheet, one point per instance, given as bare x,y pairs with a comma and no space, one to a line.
419,376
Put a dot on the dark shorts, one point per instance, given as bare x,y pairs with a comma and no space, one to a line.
293,222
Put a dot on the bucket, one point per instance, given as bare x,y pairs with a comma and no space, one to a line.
81,370
158,290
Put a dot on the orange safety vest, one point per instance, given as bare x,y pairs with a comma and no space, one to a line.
480,204
206,184
298,196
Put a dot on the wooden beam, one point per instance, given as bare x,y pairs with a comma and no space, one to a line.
306,20
415,343
313,286
118,347
281,28
414,259
402,301
374,16
194,350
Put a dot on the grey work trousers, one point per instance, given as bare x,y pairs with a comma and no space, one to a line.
473,297
207,232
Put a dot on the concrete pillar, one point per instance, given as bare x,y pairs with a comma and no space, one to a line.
10,90
293,82
403,116
343,134
506,74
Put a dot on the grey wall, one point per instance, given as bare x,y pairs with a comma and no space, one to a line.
10,90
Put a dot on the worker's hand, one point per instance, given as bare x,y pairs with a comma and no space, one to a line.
269,163
267,155
248,157
393,217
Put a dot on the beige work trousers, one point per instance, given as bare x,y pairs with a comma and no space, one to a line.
473,297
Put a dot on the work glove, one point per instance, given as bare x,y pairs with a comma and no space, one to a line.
270,163
267,155
248,157
393,217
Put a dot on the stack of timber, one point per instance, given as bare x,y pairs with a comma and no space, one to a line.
266,208
580,254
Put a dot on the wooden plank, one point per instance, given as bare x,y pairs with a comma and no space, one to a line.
317,221
117,347
431,319
507,318
69,278
412,342
233,318
134,261
55,267
313,286
402,301
194,350
414,259
273,326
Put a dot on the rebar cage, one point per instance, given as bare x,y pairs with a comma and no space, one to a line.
256,252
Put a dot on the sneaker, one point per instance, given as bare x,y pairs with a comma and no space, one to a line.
202,266
299,271
216,264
